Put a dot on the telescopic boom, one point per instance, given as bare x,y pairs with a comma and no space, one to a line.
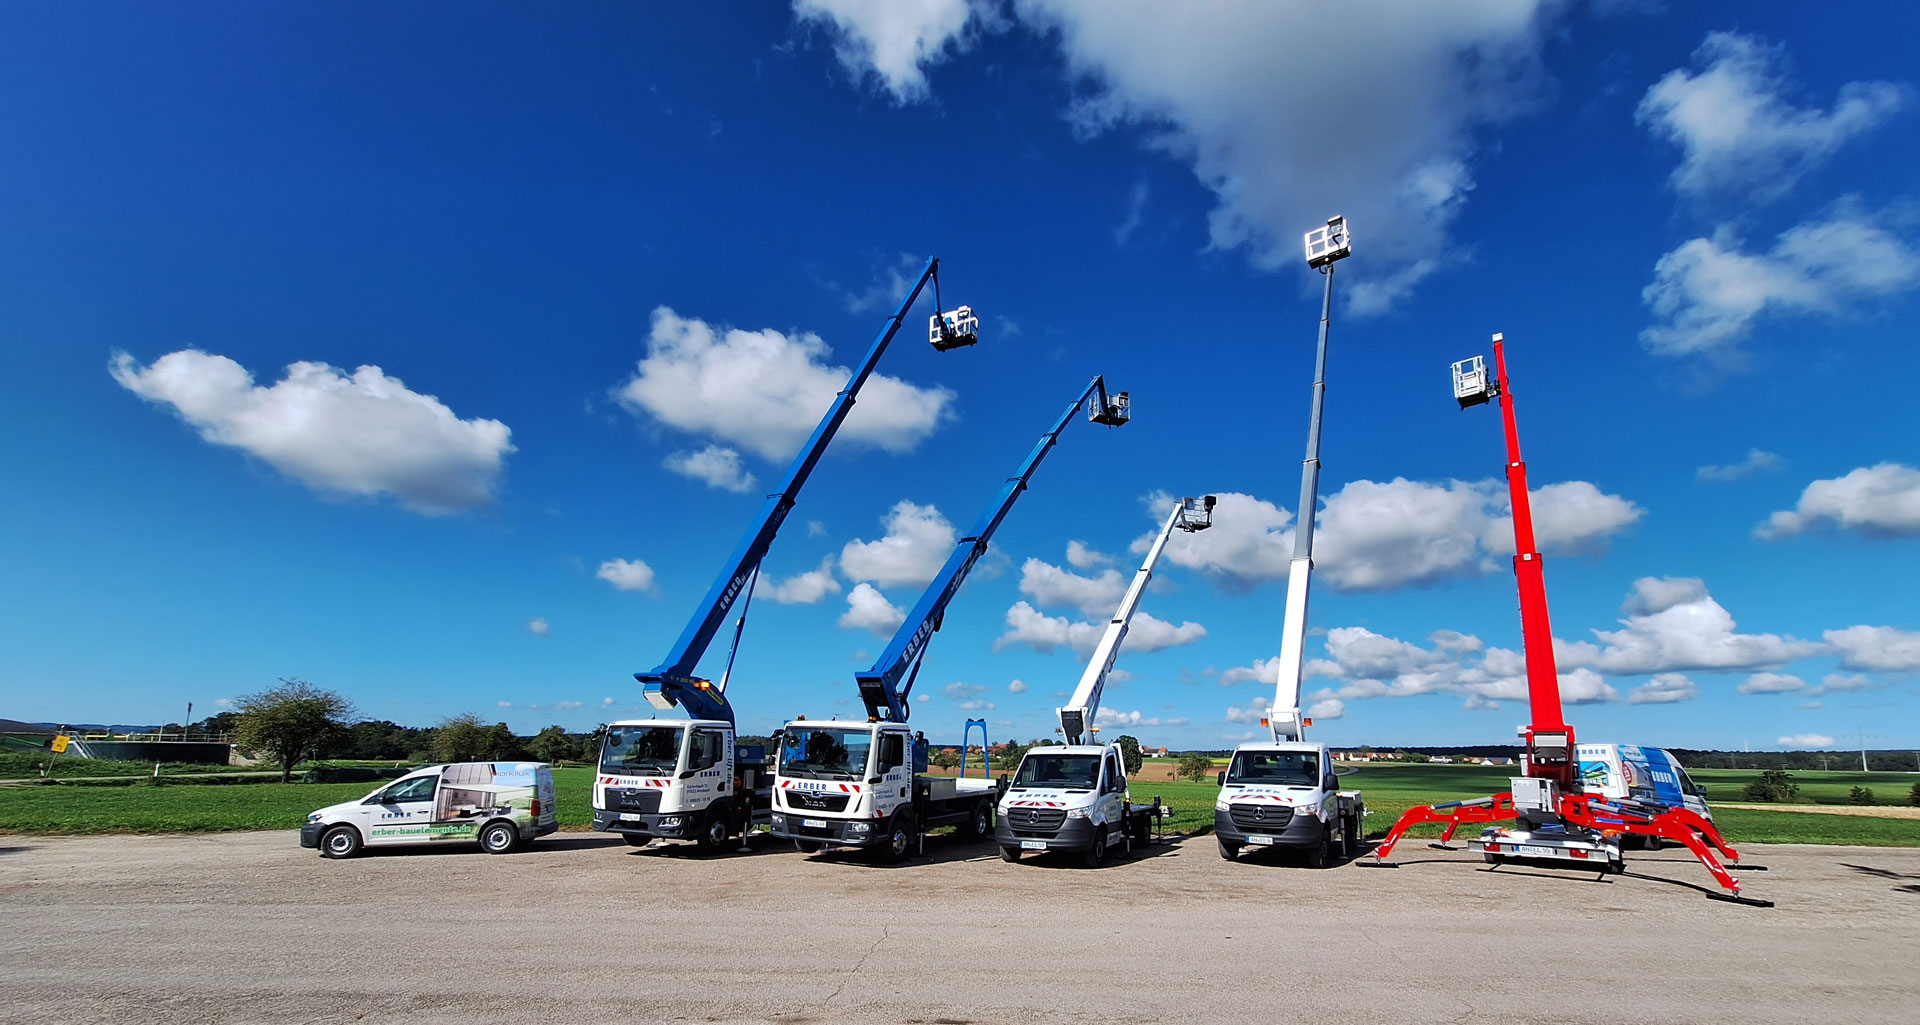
881,687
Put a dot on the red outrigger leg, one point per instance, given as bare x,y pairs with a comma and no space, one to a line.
1453,814
1676,824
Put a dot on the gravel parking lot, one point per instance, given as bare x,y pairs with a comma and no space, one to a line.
250,928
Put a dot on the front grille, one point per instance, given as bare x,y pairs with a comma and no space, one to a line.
624,799
814,800
1260,818
1035,821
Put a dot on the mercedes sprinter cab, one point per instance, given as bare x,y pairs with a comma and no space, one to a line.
503,805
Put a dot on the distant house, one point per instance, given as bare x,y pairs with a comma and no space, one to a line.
1499,761
1441,759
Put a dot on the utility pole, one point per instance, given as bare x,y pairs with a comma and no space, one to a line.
1862,738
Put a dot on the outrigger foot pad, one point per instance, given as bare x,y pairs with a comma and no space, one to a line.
1445,847
1376,864
1733,898
1735,866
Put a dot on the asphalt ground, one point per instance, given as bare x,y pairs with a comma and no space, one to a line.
248,927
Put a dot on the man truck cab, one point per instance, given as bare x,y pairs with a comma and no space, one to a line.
667,779
503,805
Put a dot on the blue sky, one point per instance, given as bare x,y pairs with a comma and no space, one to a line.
428,355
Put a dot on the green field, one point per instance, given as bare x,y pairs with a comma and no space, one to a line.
1389,789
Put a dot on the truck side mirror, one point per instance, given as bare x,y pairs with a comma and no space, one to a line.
1223,778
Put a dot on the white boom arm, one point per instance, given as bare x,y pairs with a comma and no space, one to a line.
1284,717
1077,716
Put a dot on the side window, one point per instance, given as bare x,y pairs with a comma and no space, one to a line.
420,789
1113,774
892,751
706,750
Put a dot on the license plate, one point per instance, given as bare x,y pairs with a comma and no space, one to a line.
814,823
629,816
1536,852
1033,845
1260,840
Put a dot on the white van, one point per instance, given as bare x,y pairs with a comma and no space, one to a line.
1649,775
503,805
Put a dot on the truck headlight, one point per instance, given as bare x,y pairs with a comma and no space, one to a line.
1076,813
1219,806
671,822
859,827
779,821
315,817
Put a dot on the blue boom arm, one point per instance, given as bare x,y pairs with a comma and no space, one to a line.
880,687
672,682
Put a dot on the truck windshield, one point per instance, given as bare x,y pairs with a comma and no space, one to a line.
640,750
811,752
1276,768
1071,772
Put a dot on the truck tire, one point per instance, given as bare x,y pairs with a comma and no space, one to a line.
899,836
1228,850
1096,855
634,840
340,842
714,835
1009,853
499,838
1320,855
808,846
979,822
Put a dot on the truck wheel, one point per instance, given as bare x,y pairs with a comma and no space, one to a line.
900,836
1009,853
807,846
979,823
713,839
636,841
340,842
1228,850
499,838
1320,855
1096,855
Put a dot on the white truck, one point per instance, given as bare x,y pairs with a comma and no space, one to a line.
674,779
1283,792
1074,798
864,784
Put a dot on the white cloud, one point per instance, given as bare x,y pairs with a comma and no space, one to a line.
1262,101
968,696
555,706
1808,706
805,588
868,609
364,434
1757,461
888,288
1674,625
917,543
606,702
816,528
1806,741
892,40
1113,717
716,465
1878,501
538,626
1882,649
1048,584
1772,683
1708,292
765,391
627,575
223,703
1017,687
1377,536
1454,640
1043,633
1079,556
1253,713
1327,709
1136,211
1664,689
1263,670
1737,130
1837,683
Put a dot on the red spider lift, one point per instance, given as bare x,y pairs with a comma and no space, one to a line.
1554,818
